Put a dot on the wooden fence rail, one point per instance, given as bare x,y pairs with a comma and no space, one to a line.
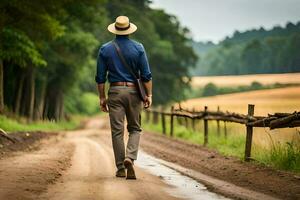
272,121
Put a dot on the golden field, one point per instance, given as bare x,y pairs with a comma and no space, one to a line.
229,81
265,101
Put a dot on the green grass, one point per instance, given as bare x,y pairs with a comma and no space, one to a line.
13,125
280,156
230,145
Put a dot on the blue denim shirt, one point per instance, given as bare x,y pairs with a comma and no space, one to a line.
109,63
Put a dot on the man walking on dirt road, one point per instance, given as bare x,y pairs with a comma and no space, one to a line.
125,62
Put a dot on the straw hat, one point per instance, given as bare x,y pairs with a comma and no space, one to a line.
122,26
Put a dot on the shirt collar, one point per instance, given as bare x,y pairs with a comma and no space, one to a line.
122,37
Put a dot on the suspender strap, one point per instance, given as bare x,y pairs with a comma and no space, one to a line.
122,58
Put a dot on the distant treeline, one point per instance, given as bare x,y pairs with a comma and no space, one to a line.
211,89
48,52
255,51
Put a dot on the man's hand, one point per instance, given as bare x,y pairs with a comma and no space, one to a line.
148,102
103,105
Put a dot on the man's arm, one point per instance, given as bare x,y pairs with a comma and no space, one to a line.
101,91
146,76
101,79
102,96
148,87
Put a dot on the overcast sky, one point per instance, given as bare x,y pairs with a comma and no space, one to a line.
215,19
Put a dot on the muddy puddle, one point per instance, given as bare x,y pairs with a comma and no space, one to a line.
182,186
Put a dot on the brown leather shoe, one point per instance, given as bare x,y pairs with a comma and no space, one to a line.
128,163
121,173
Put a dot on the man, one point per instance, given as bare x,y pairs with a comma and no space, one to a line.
123,98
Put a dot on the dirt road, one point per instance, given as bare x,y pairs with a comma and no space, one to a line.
80,165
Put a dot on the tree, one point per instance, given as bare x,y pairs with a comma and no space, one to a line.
17,48
20,23
210,89
172,57
254,51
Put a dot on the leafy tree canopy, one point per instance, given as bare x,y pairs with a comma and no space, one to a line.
65,36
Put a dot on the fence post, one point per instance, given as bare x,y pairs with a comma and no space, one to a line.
249,135
155,117
205,127
179,106
163,122
172,122
225,129
193,121
186,122
147,116
218,123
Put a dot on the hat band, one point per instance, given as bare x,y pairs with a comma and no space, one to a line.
122,29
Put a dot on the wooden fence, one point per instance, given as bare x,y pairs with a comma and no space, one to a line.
272,121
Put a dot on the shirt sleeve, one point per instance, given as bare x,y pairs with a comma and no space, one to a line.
101,68
144,66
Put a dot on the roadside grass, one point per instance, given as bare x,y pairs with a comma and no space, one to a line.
86,105
231,145
280,156
13,125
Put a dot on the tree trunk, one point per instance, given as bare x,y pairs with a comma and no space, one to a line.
61,110
39,110
19,94
32,93
45,114
57,111
1,88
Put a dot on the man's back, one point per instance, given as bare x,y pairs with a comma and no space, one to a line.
108,61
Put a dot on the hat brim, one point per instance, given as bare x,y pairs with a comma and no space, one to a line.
111,28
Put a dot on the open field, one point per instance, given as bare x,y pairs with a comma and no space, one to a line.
231,81
265,101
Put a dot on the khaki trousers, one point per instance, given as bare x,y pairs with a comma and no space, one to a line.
124,101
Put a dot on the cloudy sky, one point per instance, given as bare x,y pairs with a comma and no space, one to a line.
215,19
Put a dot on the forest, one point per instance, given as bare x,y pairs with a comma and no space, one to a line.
48,52
251,52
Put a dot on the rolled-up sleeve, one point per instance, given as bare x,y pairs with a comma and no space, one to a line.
101,68
144,66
